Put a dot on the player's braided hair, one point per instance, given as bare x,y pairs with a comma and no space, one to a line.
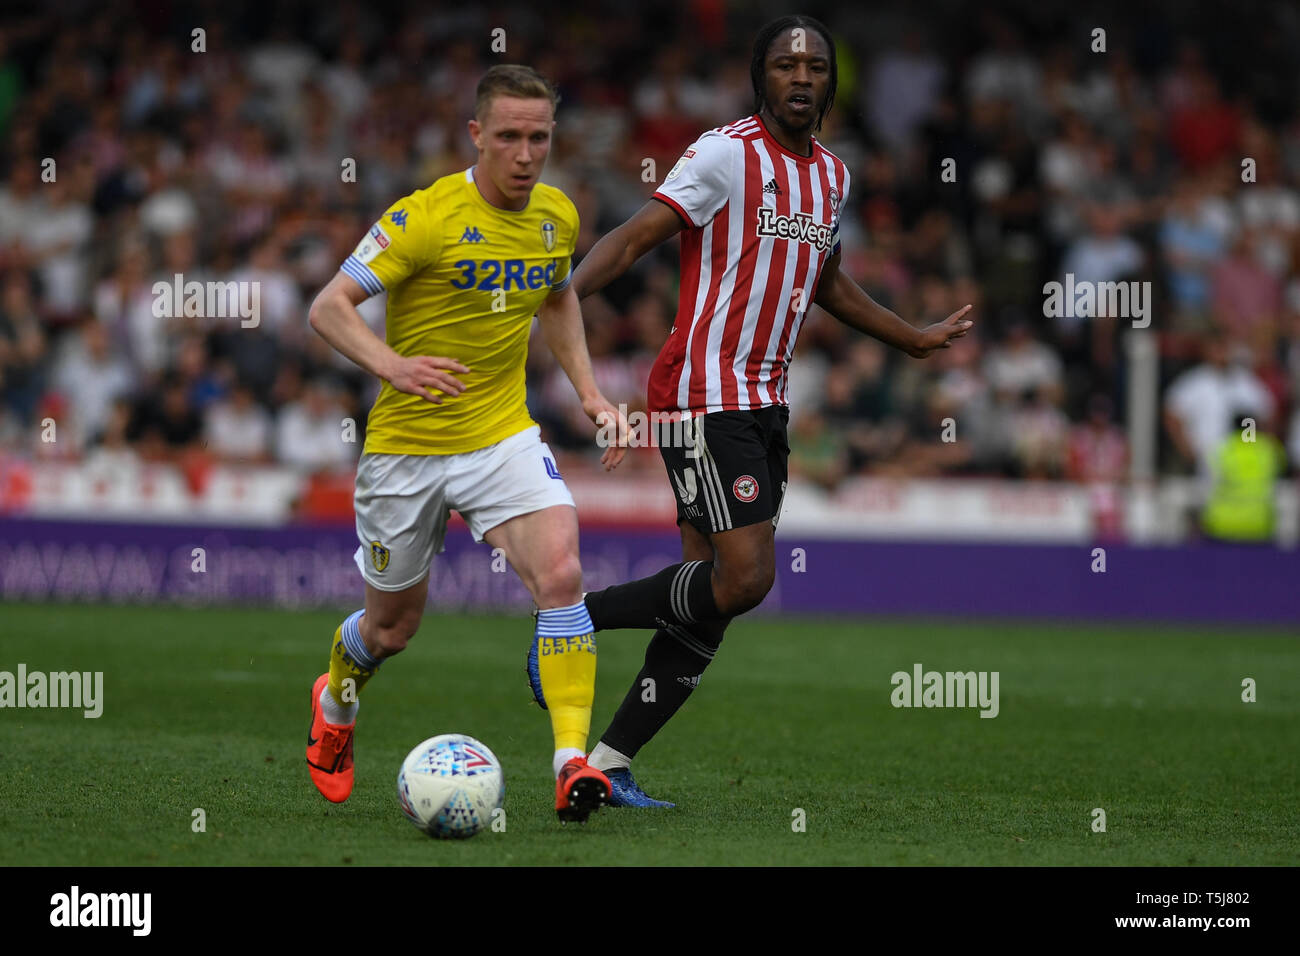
512,79
758,65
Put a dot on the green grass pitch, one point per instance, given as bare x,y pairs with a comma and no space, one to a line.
208,708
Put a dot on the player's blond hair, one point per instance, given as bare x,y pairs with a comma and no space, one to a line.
512,79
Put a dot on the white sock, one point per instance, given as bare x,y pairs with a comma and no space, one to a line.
607,758
334,712
563,756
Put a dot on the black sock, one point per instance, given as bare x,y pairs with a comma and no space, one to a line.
674,662
681,594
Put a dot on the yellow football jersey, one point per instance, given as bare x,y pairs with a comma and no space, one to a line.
464,280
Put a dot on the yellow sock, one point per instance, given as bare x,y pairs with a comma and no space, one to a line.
347,662
567,666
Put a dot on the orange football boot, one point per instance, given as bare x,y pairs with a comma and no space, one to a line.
579,790
329,750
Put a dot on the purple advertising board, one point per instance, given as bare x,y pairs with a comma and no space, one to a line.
305,566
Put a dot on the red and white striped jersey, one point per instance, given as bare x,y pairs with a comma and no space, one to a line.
762,222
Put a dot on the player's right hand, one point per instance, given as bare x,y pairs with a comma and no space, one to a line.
604,414
416,374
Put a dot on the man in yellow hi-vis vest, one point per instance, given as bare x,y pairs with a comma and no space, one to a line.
1246,467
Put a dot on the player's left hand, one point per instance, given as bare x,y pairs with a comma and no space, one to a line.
613,429
941,334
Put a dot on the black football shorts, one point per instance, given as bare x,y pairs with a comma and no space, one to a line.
728,469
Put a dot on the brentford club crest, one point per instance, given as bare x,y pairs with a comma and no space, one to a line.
745,488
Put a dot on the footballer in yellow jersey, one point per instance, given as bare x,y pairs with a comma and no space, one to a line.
465,279
466,264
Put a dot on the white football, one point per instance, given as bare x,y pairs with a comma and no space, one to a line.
451,786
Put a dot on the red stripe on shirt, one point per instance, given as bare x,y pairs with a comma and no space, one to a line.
666,373
803,253
735,321
776,308
697,396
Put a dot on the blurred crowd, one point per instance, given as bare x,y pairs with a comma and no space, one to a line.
128,157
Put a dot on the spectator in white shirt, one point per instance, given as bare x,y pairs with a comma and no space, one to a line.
279,301
1200,403
92,375
309,431
237,429
57,241
1020,363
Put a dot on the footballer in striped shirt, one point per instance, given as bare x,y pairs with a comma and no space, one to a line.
757,204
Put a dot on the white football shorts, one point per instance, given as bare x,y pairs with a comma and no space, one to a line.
402,502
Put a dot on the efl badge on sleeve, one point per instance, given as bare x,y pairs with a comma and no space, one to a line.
677,166
376,241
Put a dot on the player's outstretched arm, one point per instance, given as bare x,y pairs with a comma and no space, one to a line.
561,320
618,249
846,301
335,318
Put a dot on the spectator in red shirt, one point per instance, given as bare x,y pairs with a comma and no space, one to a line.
1097,456
1207,129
